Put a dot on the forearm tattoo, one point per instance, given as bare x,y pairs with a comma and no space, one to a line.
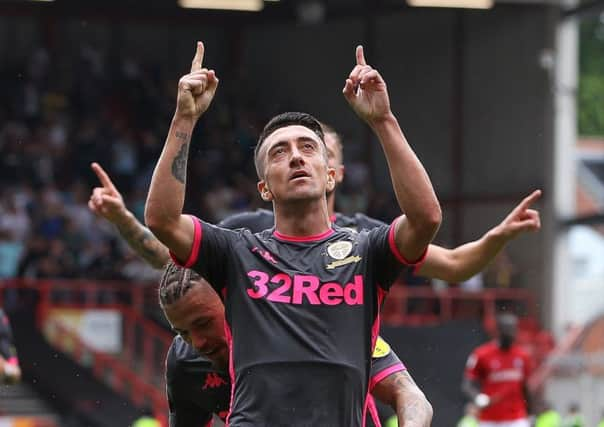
179,164
415,410
145,244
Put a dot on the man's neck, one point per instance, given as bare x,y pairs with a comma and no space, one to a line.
302,219
331,204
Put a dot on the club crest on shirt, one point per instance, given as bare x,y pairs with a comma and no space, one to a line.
381,349
339,250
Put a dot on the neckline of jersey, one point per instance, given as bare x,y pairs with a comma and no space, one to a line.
313,238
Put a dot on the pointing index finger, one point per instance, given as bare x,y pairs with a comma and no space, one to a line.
360,55
197,63
528,200
102,175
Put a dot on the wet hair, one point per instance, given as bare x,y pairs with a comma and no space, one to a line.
175,282
284,120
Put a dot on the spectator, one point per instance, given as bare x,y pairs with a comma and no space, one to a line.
470,416
574,417
548,417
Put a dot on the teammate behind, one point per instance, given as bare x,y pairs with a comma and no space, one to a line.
496,377
10,372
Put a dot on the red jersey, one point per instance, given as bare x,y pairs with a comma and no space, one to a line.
501,375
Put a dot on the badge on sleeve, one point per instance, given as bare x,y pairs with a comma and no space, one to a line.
381,349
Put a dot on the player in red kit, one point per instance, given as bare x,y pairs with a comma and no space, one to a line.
496,378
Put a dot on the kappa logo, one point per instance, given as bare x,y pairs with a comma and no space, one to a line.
213,381
265,254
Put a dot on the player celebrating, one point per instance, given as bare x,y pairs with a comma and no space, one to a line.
496,378
301,300
10,372
197,361
187,368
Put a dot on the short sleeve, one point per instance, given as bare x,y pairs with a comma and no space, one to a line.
388,262
472,369
384,362
210,252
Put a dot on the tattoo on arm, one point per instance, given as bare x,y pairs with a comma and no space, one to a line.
411,406
179,164
145,244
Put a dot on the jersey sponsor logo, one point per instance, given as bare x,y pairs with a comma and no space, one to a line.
382,349
505,375
304,289
213,381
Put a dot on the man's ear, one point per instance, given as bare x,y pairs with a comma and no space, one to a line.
265,192
331,179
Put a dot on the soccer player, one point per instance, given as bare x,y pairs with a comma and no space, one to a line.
188,367
184,362
196,365
10,372
301,300
496,377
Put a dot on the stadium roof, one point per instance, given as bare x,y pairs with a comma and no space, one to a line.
273,9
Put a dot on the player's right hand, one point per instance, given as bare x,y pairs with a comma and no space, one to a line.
196,89
106,201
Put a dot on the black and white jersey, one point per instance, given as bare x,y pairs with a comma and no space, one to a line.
298,308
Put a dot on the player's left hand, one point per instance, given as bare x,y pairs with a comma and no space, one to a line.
522,219
366,92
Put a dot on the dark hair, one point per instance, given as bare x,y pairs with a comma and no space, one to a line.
327,129
175,282
283,120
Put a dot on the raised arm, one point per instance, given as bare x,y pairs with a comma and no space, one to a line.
163,210
402,394
461,263
366,92
107,202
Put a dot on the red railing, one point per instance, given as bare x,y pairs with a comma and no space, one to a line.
144,343
109,369
407,305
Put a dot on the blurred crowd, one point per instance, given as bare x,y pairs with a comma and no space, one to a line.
60,111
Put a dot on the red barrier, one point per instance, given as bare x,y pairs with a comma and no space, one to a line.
145,344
